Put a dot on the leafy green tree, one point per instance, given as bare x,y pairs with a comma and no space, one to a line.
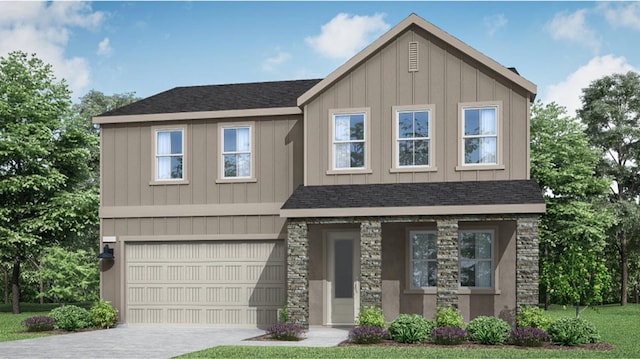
69,276
611,113
93,104
574,228
43,164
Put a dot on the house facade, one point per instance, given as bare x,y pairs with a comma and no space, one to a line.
401,180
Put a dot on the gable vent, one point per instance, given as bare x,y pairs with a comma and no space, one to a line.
413,56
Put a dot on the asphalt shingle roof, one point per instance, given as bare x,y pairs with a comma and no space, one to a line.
219,98
416,194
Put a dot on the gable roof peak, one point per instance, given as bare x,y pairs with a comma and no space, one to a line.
414,20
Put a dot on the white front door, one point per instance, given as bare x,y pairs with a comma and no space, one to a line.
343,267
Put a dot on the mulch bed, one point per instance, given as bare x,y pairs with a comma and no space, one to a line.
391,343
268,338
60,331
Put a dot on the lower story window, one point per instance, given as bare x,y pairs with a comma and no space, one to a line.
424,261
476,259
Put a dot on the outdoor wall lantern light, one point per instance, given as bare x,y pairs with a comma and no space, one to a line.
107,253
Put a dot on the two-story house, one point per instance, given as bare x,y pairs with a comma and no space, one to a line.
401,180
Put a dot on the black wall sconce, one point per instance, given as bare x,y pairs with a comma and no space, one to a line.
107,253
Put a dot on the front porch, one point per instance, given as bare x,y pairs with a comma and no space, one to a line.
384,273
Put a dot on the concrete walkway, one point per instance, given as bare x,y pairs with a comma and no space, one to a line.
152,342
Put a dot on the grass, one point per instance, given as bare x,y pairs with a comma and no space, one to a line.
12,329
617,325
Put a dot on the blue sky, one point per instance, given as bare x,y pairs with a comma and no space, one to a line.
148,47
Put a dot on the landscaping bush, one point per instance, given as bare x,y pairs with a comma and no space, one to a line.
528,337
371,316
39,323
71,318
449,317
103,314
367,334
410,328
572,331
488,330
283,316
533,317
448,335
285,331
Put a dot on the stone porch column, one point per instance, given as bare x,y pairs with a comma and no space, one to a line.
447,290
527,261
298,273
371,263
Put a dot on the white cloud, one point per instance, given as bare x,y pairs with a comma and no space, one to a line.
626,15
104,47
494,23
44,28
567,93
346,34
572,27
269,64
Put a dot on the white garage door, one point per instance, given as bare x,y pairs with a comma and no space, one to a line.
205,283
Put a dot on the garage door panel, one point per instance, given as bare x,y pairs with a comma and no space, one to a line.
192,283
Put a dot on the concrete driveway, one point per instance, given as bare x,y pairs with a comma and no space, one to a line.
151,342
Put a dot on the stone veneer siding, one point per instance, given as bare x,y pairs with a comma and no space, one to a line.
298,257
298,273
447,254
371,263
527,261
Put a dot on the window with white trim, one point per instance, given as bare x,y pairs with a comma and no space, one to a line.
413,138
169,154
349,144
480,135
423,259
476,258
236,152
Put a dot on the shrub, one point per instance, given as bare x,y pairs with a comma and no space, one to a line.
410,328
39,323
528,337
367,334
532,317
449,317
283,316
572,331
285,331
70,317
448,335
103,314
488,330
371,316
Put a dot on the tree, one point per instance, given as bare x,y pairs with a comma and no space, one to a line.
611,113
43,164
574,228
68,276
93,104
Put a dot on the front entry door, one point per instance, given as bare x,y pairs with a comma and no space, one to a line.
343,277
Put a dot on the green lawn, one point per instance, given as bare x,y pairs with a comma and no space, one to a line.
12,329
618,326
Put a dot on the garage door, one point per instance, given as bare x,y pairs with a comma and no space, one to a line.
205,283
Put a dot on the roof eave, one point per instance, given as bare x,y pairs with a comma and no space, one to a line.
414,19
197,115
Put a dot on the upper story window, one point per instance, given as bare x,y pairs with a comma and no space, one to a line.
480,126
169,154
413,137
349,148
236,152
476,258
423,259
